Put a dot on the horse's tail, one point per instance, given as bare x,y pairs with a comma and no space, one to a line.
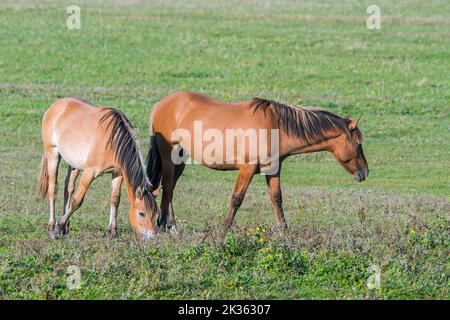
43,178
154,165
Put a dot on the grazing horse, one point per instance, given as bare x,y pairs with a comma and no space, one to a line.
94,140
178,117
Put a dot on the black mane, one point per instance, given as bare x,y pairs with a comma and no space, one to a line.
123,141
310,125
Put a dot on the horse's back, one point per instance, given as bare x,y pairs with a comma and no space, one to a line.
183,108
72,127
189,119
193,100
67,108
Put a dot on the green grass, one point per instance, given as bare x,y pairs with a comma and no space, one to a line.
310,53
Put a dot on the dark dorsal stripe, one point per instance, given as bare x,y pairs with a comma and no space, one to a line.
86,101
123,141
310,125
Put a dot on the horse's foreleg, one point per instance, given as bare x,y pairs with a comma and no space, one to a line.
273,183
76,201
244,178
53,159
69,187
116,185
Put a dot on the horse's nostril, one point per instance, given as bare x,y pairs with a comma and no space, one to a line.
148,235
363,176
359,176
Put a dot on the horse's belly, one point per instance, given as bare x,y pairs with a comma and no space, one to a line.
217,155
74,157
75,153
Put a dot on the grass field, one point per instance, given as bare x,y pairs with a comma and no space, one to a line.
130,54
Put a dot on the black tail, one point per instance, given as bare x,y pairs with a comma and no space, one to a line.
154,164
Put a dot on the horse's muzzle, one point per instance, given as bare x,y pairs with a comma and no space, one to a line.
146,235
361,175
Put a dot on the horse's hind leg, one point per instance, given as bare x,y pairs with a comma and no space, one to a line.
116,184
171,216
69,187
76,201
53,158
171,173
166,199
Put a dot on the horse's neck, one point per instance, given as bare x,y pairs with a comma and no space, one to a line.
291,145
129,189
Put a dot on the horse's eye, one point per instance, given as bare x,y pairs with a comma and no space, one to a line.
141,214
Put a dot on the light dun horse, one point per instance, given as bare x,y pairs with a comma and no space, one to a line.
94,140
301,130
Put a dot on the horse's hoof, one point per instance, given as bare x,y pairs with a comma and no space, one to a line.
281,229
173,229
161,228
55,233
161,224
65,230
113,234
52,235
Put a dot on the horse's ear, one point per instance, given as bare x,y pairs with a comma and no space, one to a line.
353,124
139,193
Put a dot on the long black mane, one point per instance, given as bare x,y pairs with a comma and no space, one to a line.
124,142
306,124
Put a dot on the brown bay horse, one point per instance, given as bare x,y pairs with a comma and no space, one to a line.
94,140
175,119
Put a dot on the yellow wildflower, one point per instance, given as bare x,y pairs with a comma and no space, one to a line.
412,231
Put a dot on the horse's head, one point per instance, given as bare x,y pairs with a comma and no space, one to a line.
348,150
142,213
